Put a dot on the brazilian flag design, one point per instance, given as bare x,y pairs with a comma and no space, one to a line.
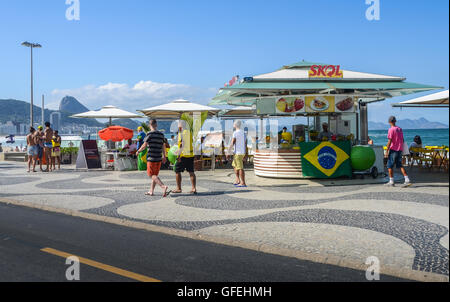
142,161
326,159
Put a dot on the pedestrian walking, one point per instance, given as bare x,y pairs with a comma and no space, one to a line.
185,160
239,148
156,155
394,152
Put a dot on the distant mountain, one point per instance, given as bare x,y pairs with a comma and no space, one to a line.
421,123
378,126
71,105
127,123
19,112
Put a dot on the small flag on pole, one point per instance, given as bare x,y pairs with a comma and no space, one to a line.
233,81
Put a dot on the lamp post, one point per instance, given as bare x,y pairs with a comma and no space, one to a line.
31,46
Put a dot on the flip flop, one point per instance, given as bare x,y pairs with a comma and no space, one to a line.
194,192
177,192
241,186
149,194
167,193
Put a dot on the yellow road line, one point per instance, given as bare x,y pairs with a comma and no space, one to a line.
102,266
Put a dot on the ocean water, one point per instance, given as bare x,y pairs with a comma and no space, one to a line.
21,141
430,137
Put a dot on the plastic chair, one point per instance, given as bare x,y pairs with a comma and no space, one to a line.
206,162
415,157
110,164
426,157
445,159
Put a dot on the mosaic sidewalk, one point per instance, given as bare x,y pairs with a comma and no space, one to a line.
407,229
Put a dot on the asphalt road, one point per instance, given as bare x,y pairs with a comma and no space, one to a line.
25,232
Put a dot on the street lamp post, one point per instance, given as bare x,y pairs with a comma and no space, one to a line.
31,46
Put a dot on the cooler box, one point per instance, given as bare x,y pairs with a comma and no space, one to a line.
379,158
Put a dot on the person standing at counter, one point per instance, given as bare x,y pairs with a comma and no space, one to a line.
239,146
285,136
325,133
394,152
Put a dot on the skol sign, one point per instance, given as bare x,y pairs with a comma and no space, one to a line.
326,71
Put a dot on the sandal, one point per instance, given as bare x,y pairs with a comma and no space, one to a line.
149,194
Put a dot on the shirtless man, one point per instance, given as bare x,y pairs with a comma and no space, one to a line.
48,136
32,149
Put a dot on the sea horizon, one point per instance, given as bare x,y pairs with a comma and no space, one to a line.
430,137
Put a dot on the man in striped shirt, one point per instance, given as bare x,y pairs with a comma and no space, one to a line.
155,156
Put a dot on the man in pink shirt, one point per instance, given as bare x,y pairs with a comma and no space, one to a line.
394,152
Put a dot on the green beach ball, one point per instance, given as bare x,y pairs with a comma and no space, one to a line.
362,158
173,154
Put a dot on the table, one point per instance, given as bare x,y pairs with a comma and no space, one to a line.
440,157
116,159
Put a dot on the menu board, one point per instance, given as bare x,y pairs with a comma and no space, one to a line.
88,155
320,103
330,103
289,105
345,104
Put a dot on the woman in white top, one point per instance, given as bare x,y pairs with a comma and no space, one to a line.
417,143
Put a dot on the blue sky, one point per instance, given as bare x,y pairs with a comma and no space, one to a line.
139,53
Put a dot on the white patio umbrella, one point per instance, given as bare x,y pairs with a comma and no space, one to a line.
435,100
238,112
175,109
107,112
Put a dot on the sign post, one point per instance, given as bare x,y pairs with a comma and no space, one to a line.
88,155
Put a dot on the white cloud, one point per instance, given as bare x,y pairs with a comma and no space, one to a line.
142,95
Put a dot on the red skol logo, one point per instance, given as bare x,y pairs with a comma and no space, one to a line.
326,71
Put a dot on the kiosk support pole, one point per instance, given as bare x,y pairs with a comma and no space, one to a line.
364,128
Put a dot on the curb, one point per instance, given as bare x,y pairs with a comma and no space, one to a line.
269,249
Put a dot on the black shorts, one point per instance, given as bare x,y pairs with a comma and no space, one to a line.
185,163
